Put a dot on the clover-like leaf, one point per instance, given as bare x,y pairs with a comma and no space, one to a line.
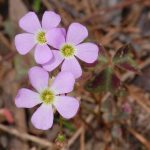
103,57
124,58
105,81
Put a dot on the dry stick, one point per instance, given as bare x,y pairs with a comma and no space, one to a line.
9,56
26,137
47,5
66,8
140,138
20,122
91,116
4,40
138,100
88,120
60,10
120,5
87,6
110,36
20,117
82,140
7,44
90,127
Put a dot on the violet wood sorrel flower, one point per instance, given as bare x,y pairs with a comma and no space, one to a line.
49,96
68,48
36,35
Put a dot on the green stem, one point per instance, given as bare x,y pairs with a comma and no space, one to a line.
61,123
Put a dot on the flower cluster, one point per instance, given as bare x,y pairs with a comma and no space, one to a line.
53,46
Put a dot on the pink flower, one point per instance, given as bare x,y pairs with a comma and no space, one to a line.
49,96
68,48
36,35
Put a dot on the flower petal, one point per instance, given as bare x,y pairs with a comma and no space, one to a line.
87,52
73,66
24,43
27,98
63,83
42,54
54,62
43,117
38,78
50,20
76,33
67,106
63,30
30,22
55,37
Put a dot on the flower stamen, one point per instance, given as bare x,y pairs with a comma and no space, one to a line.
41,39
67,51
47,96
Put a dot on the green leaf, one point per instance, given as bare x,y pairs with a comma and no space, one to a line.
124,58
103,57
37,5
105,81
68,125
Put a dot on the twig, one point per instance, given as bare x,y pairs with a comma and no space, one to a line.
64,14
4,40
140,138
27,137
9,56
139,98
86,4
104,10
82,140
47,4
8,45
88,120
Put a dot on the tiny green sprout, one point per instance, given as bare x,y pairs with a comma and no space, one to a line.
60,141
61,138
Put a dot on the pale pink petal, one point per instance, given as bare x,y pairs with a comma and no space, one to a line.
50,20
54,62
73,66
24,43
63,83
63,31
76,33
43,117
66,106
38,78
55,37
27,98
42,54
87,52
30,22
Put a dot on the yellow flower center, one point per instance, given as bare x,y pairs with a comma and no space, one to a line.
67,51
41,37
47,96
